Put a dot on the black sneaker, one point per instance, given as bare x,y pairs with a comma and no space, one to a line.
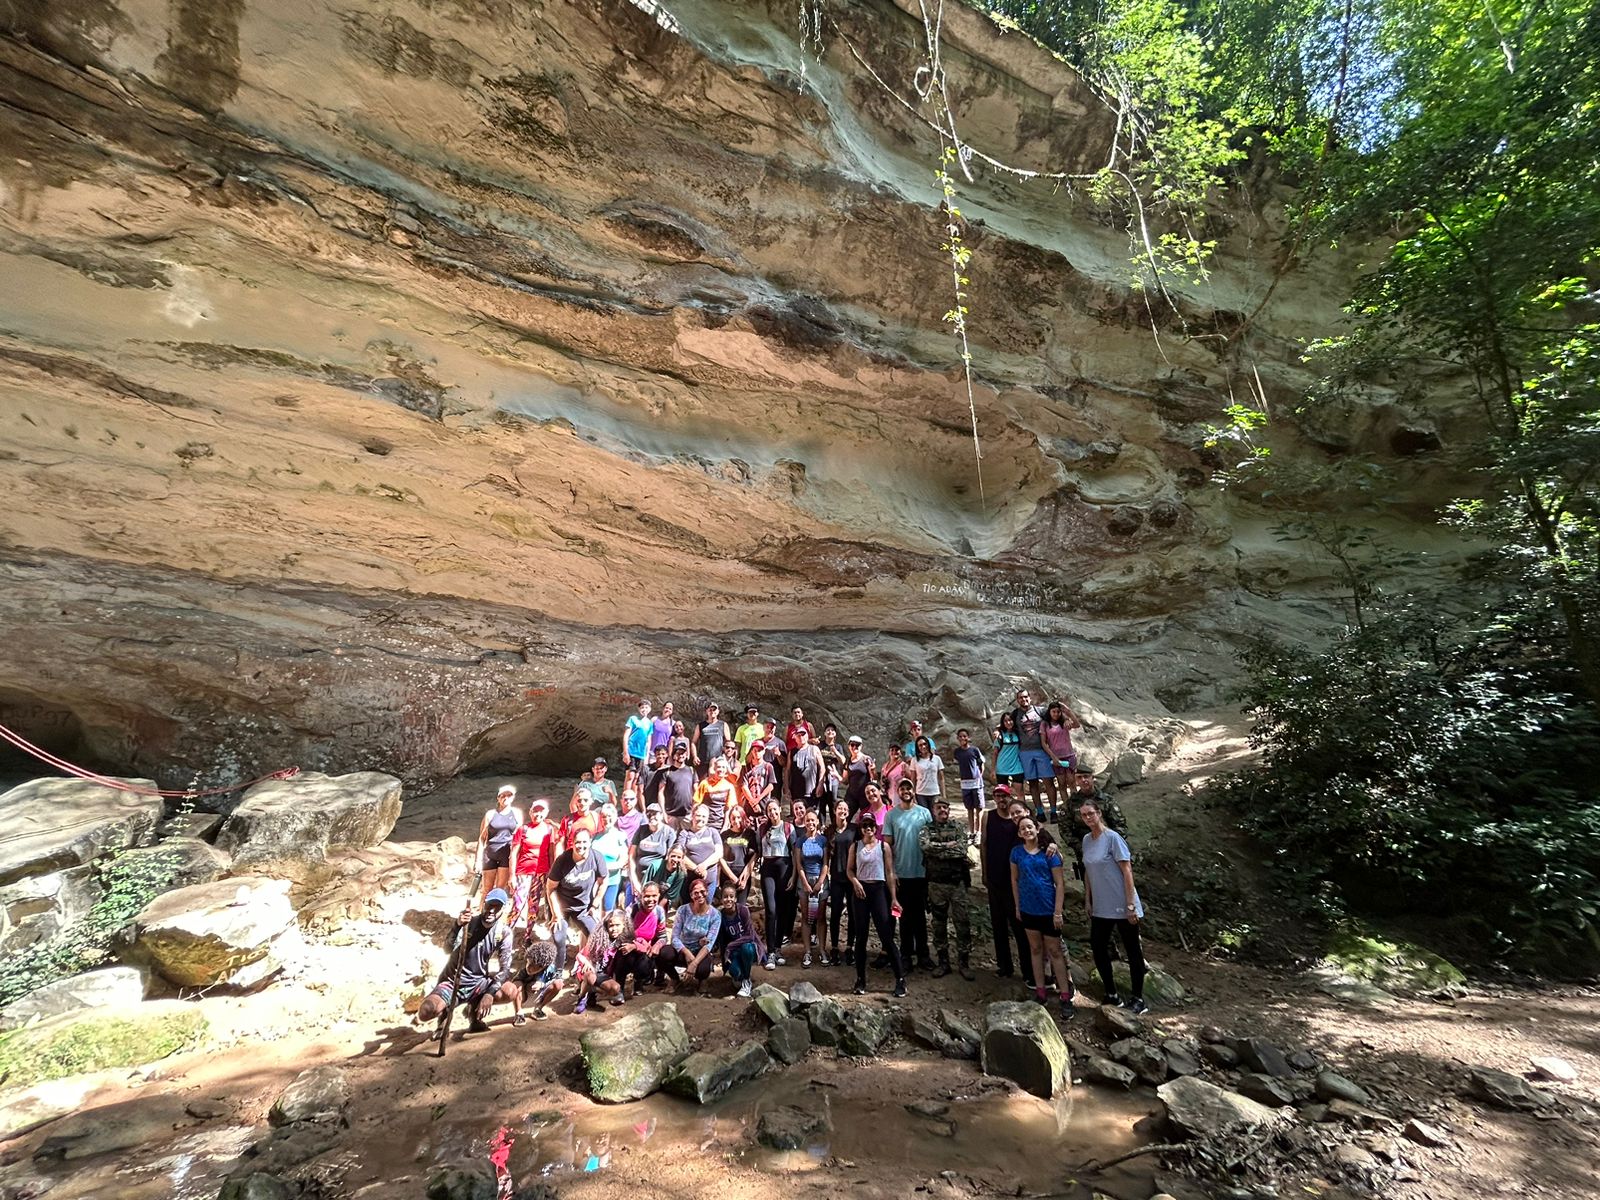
900,986
861,987
1139,1007
1112,999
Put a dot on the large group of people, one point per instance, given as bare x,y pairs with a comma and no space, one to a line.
652,883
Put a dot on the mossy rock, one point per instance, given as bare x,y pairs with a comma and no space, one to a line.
1160,988
93,1041
1392,966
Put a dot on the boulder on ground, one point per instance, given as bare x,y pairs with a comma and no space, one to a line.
866,1028
1182,1056
225,932
283,824
57,824
317,1094
826,1019
1021,1043
1263,1056
105,1130
1393,967
789,1127
1265,1089
789,1040
958,1027
57,828
773,1005
1505,1090
803,995
1196,1108
98,1038
1333,1086
706,1075
120,987
1117,1022
631,1057
1143,1059
1219,1055
1103,1070
1556,1069
202,825
927,1032
1160,988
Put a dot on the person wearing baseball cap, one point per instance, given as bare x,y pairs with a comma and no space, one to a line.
596,788
858,771
532,851
478,941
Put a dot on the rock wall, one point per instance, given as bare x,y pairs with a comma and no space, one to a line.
409,385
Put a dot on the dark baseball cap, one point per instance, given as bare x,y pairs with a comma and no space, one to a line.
601,761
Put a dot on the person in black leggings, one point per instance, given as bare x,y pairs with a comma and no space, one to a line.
1113,904
841,836
780,877
871,873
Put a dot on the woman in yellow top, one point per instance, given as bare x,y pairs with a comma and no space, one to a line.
719,792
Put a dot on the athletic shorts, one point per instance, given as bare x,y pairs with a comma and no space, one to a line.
497,859
1040,923
471,989
1070,767
1037,765
972,798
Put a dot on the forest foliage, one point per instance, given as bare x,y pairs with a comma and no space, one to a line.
1440,750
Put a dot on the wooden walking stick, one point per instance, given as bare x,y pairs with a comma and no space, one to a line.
443,1033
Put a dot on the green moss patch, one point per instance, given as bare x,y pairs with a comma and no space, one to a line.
77,1043
1393,966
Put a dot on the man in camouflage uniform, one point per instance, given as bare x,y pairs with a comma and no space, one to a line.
944,855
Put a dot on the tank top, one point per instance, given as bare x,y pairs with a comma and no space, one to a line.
843,839
869,862
775,841
502,825
710,739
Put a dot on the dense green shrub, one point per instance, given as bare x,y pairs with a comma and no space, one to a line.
1421,771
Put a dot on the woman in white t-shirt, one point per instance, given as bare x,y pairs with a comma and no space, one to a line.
928,768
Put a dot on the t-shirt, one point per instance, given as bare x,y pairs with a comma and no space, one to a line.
709,737
927,773
1036,887
532,847
901,828
856,777
676,786
792,729
636,734
649,923
892,774
598,792
1058,741
1007,761
692,931
576,880
653,849
737,847
1103,857
911,747
999,838
1029,720
813,854
716,795
805,772
745,736
613,847
842,840
698,846
969,761
737,927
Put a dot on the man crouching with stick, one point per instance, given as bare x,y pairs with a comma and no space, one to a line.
466,978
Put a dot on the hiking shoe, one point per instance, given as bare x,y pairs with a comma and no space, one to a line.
539,1014
806,961
941,970
823,960
772,962
900,986
744,990
782,961
1067,1011
618,1000
1139,1007
966,973
1112,999
861,987
582,1006
519,1019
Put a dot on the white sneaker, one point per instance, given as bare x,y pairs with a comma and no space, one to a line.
744,990
771,964
782,961
806,961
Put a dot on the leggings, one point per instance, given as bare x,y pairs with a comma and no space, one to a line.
874,906
558,934
737,961
839,893
671,958
778,893
1100,944
638,963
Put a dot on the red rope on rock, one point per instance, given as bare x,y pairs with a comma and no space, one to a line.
27,747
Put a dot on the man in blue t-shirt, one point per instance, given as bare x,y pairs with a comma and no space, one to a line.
636,738
902,826
969,763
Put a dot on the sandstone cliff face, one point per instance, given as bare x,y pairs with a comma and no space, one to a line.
409,385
